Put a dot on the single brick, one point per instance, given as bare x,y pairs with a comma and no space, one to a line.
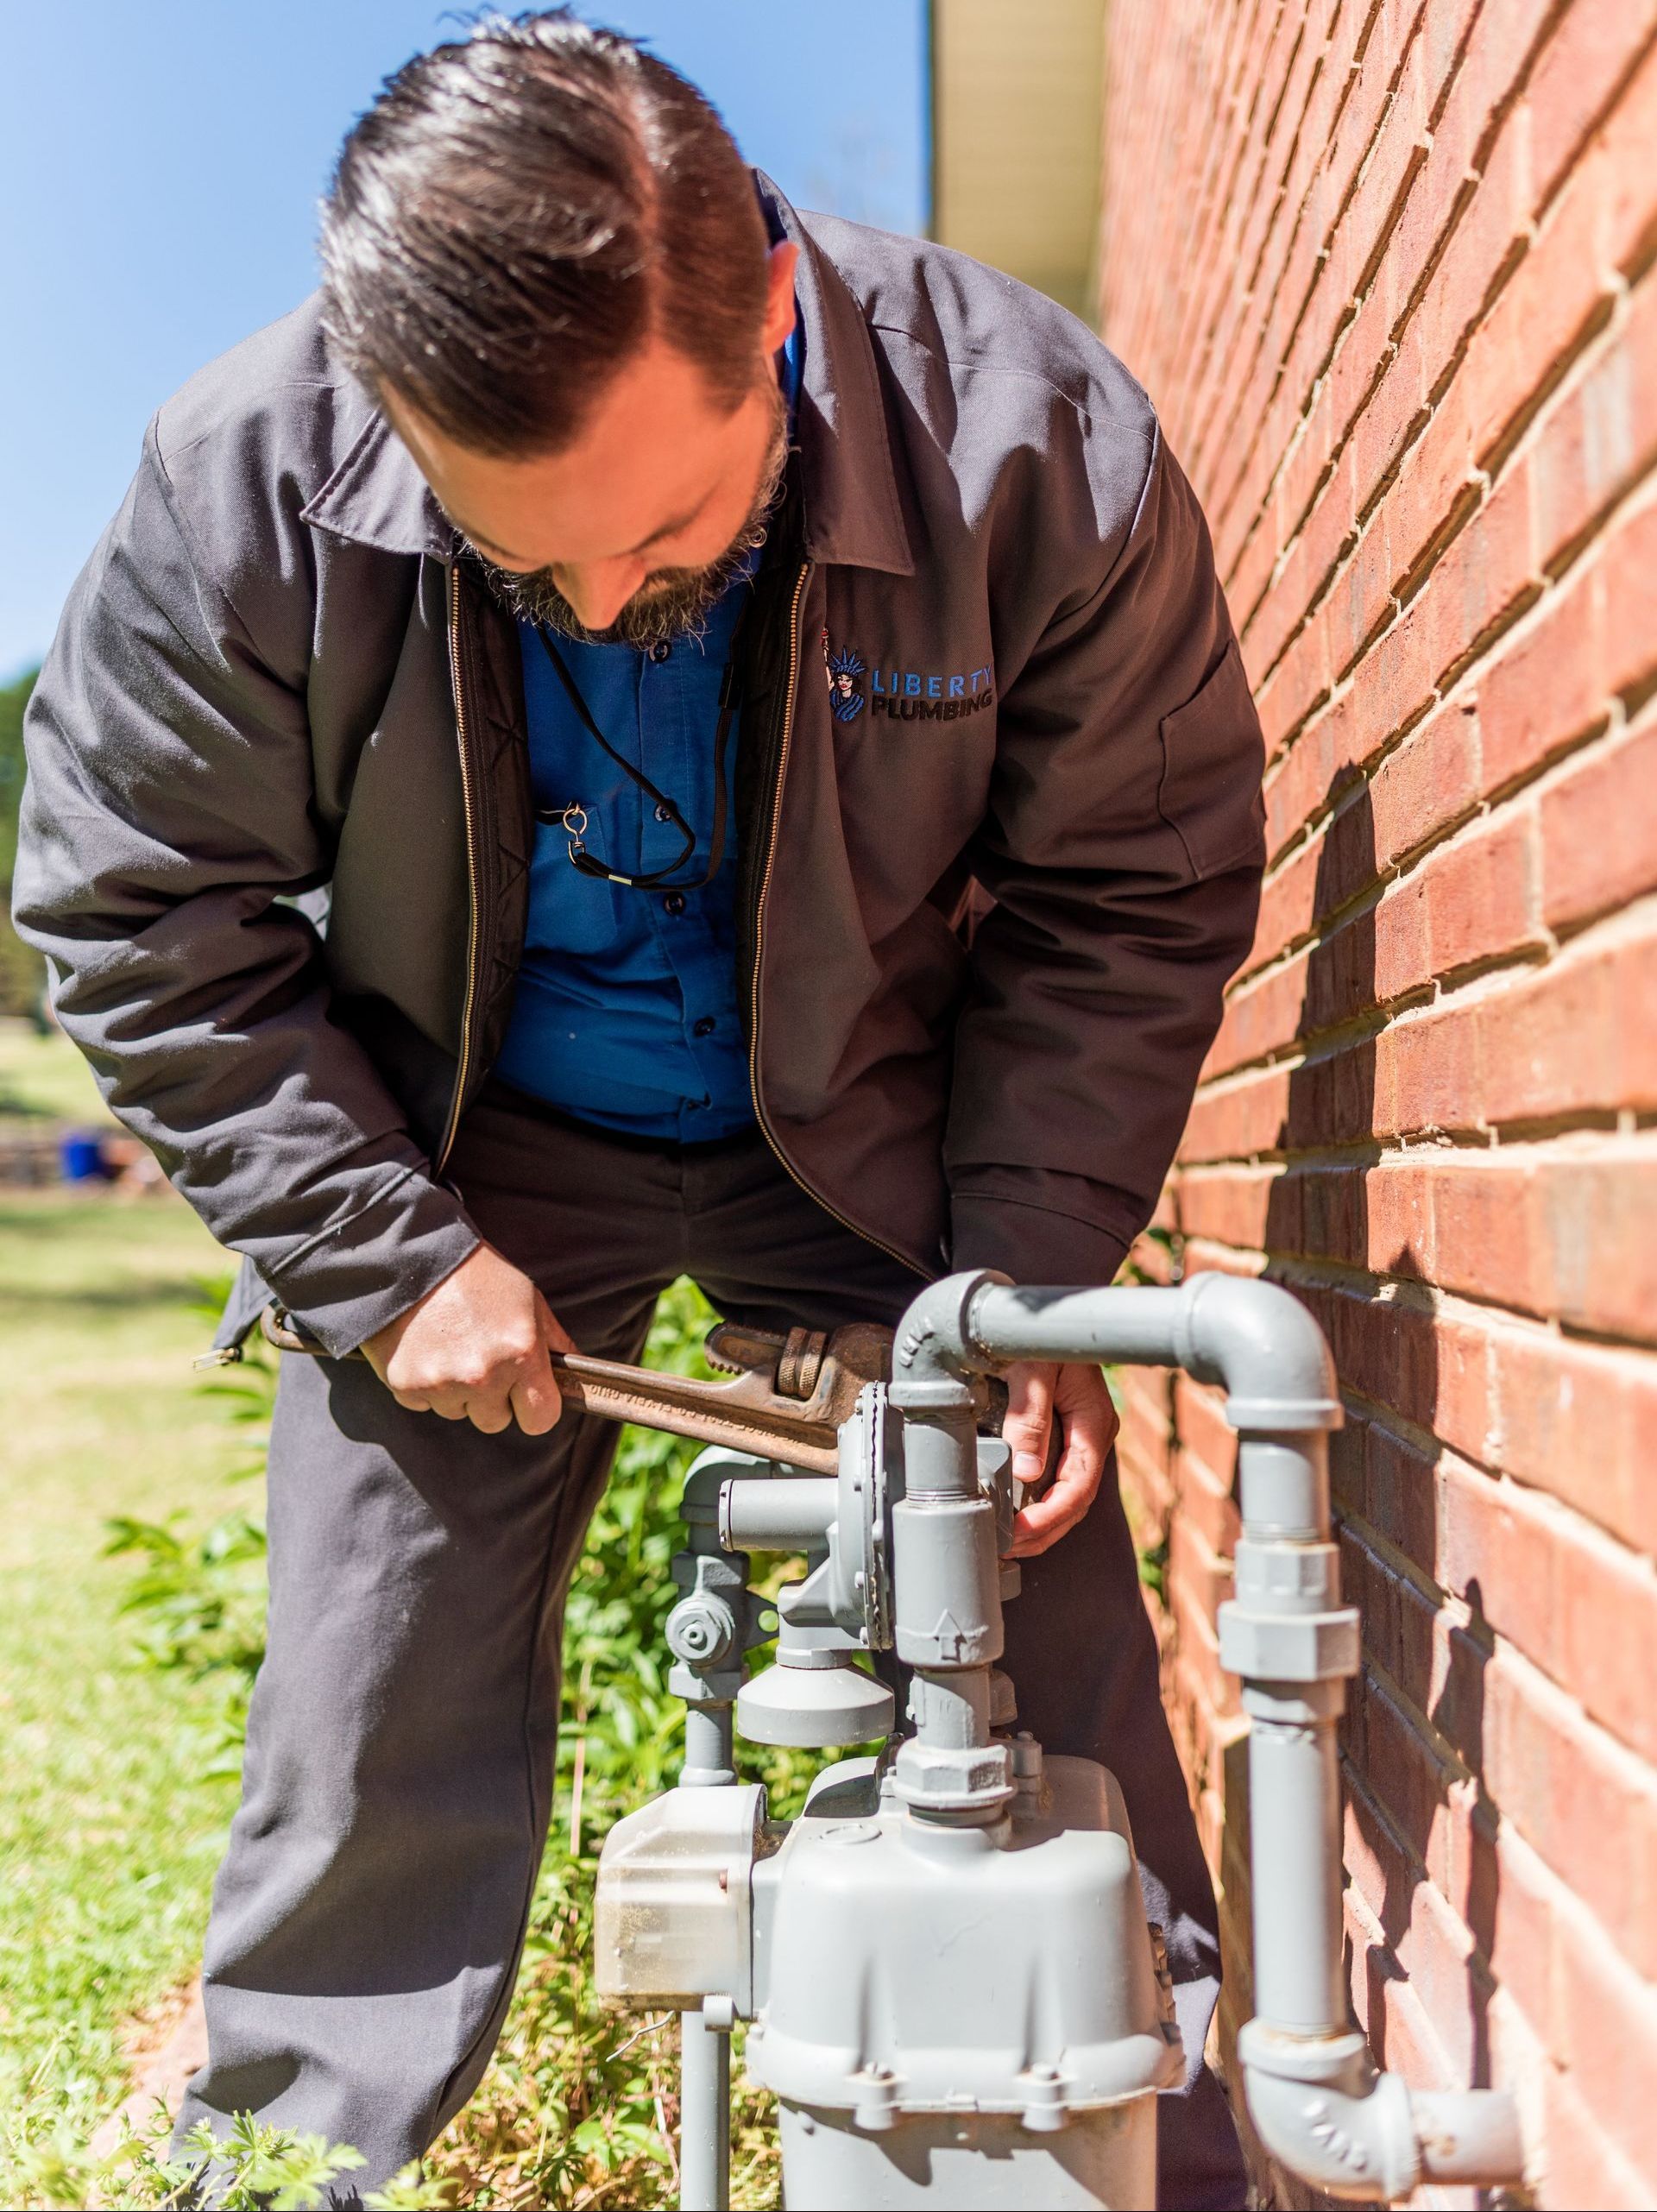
1596,43
1629,570
1621,168
1426,784
1463,906
1511,1907
1598,851
1578,1420
1556,296
1245,1118
1427,1076
1599,438
1596,1230
1577,1036
1400,1486
1234,1207
1485,577
1546,689
1487,1230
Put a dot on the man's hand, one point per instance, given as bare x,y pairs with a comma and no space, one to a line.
475,1349
1088,1423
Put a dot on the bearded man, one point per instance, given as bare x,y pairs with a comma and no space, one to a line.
490,594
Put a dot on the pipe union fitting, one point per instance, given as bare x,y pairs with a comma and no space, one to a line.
951,1779
1289,1647
1279,1577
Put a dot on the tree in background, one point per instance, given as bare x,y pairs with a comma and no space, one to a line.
23,973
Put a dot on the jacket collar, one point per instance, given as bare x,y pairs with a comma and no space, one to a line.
853,518
377,496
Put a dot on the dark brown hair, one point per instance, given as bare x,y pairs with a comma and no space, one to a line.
519,211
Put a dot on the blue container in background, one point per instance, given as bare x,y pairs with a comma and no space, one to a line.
80,1155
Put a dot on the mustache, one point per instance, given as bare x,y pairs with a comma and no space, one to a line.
671,604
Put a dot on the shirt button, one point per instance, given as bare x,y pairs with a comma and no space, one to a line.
664,813
674,902
660,650
705,1027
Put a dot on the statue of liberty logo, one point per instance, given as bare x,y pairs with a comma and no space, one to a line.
845,700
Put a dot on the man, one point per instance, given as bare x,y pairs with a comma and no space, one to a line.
494,592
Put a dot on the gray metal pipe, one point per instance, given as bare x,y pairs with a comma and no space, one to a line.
1316,2098
710,1763
790,1514
704,2116
710,1749
1253,1336
1299,1977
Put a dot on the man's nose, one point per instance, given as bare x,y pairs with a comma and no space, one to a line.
599,592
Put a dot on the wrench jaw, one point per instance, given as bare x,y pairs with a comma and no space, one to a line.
818,1370
749,1408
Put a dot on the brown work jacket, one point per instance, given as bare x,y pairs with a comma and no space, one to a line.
997,800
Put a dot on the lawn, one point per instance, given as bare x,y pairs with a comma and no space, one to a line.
44,1079
108,1837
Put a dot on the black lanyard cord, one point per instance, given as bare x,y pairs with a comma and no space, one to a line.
580,858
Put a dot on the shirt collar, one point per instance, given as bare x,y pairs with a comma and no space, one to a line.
377,496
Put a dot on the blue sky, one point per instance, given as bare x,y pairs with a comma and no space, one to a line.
161,162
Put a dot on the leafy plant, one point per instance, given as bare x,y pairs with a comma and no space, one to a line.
255,2168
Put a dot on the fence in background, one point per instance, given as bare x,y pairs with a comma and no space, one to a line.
1386,271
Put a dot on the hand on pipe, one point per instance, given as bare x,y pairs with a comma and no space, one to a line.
1078,1396
475,1349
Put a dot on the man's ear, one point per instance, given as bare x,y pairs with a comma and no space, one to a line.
780,265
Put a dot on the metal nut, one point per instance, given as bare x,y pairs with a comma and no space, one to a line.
951,1777
1289,1647
700,1632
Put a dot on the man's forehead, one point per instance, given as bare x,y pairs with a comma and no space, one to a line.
653,454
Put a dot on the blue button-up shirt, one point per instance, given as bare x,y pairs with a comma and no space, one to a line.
626,1011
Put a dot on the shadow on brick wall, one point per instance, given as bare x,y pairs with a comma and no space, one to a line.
1348,1265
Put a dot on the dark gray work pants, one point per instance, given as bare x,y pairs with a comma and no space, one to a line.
368,1919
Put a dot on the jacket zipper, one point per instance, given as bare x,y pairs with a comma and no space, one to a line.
472,930
770,1134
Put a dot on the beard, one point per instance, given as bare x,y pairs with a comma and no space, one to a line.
671,604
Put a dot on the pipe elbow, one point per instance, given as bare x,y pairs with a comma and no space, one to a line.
934,1341
1319,2107
1268,1351
1355,2145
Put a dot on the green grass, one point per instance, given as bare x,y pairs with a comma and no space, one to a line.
108,1837
44,1078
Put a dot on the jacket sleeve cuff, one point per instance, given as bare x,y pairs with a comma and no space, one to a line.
1031,1241
356,1277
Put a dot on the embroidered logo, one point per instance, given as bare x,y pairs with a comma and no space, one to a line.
846,702
912,695
903,694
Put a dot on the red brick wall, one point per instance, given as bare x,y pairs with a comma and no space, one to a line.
1386,271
